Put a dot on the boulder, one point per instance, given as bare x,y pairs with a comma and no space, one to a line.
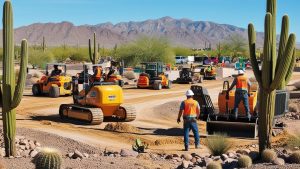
33,153
169,157
126,153
224,156
185,164
85,155
77,154
207,160
278,161
194,160
187,157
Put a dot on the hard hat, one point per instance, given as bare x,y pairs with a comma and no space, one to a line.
189,93
241,72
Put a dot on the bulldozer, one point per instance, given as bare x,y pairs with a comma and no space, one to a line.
187,75
153,76
58,83
223,121
98,101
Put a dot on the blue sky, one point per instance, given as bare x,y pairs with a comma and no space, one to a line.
234,12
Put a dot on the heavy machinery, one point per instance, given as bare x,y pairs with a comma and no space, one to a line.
187,75
54,85
209,72
112,76
98,101
153,76
224,121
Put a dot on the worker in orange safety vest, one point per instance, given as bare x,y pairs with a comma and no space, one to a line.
190,110
243,85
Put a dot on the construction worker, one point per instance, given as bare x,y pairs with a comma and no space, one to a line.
55,71
97,74
241,93
190,110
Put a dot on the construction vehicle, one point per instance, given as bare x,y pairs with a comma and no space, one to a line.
54,85
153,76
112,76
209,72
187,75
98,101
223,121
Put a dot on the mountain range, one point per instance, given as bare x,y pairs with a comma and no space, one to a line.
180,32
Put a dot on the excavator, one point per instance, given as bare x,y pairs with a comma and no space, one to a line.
153,76
98,101
223,121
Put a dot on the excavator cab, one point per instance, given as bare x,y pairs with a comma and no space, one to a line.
153,76
97,101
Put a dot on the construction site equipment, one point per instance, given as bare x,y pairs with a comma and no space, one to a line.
98,101
187,75
53,85
223,121
153,76
209,72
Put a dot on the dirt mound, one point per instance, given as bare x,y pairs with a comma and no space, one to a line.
168,110
121,127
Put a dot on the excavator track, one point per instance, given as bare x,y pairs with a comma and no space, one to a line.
93,116
130,113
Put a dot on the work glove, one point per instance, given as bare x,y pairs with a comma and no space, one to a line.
178,120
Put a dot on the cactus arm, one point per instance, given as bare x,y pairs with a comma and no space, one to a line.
22,76
95,49
252,49
283,37
285,63
267,63
271,8
291,68
90,51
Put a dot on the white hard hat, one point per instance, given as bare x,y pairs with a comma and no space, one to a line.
241,72
189,93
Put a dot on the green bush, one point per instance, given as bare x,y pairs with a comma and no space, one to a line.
80,54
244,161
295,157
214,165
218,144
294,141
39,58
268,155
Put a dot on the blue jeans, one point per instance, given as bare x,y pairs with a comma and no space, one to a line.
189,125
241,95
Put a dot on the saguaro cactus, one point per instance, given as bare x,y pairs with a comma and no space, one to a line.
93,55
44,44
275,70
11,93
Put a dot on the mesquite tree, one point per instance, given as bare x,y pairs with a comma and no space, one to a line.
276,70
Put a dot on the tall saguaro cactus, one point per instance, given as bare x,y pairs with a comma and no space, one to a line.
44,44
11,93
94,54
275,70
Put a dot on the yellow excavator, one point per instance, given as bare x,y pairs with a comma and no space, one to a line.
98,101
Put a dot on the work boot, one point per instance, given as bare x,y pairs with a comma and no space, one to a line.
186,148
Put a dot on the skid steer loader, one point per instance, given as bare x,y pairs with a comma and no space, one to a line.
98,101
223,121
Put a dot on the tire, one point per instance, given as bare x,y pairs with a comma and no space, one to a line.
54,92
157,85
36,90
169,86
121,83
201,79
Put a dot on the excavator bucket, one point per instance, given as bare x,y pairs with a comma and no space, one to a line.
242,128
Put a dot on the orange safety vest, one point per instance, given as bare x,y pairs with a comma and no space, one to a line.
98,75
242,83
190,108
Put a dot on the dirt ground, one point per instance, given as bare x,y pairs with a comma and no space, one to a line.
156,119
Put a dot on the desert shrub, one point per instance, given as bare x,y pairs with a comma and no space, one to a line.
293,107
295,157
129,75
244,161
48,158
39,58
214,165
268,155
80,54
294,141
218,144
61,53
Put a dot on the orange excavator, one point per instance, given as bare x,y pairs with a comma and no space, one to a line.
97,101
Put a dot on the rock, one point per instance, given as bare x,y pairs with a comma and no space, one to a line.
254,155
175,155
243,152
224,156
95,155
144,156
197,167
195,155
153,156
169,157
216,158
231,155
11,157
37,144
33,153
77,154
187,157
194,160
25,153
207,160
278,161
32,145
185,164
22,147
178,159
111,155
85,155
70,155
126,153
23,142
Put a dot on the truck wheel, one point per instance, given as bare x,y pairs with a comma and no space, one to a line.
157,85
36,90
121,83
169,84
54,92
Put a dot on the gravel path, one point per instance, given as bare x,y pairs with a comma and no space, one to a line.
66,145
